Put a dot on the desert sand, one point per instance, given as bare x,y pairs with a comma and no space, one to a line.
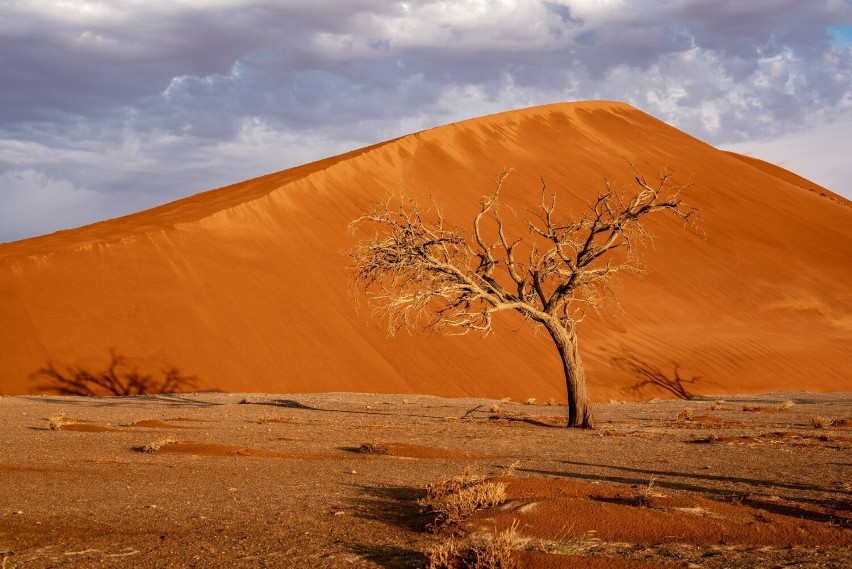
251,480
246,288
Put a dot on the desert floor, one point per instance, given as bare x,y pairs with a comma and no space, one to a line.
281,481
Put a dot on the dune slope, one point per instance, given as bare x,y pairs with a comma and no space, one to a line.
245,287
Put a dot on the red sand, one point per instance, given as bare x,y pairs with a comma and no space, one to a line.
556,509
246,288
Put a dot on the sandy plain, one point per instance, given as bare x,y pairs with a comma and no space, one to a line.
258,480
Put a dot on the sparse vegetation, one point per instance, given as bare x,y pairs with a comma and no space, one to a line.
57,421
645,497
373,448
453,500
531,401
578,545
820,422
718,405
417,269
551,401
494,552
786,404
157,445
687,414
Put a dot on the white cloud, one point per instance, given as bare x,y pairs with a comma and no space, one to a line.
32,202
812,153
146,102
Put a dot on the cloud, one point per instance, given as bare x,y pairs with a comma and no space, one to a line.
173,92
32,202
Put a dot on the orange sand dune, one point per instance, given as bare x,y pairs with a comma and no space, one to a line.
245,287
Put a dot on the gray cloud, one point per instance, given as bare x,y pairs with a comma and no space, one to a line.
109,107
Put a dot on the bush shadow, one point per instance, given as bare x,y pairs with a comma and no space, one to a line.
119,377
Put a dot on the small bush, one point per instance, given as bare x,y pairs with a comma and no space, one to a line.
155,446
551,402
531,401
453,500
496,553
492,553
373,448
645,497
718,405
56,422
444,555
686,415
786,405
820,422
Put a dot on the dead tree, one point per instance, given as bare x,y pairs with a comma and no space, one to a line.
416,269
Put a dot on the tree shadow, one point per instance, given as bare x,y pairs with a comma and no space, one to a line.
691,482
395,506
293,404
647,375
118,378
390,556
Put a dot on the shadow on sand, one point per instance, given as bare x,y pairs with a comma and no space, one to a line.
650,376
690,482
395,506
119,377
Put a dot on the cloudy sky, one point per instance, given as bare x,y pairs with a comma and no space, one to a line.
113,106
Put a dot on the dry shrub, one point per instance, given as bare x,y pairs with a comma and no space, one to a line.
373,448
645,497
495,408
445,555
157,445
820,422
686,415
551,402
509,471
531,401
492,553
453,500
496,553
56,422
718,405
786,405
571,545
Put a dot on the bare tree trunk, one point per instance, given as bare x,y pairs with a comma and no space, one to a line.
579,409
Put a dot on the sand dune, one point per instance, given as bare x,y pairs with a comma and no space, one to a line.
245,287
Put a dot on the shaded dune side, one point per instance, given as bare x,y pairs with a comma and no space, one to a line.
246,287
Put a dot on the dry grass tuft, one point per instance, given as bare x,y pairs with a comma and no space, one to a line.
495,408
551,402
496,553
718,405
155,446
645,497
56,422
453,500
531,401
686,415
786,405
510,470
444,555
492,553
820,422
373,448
576,545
